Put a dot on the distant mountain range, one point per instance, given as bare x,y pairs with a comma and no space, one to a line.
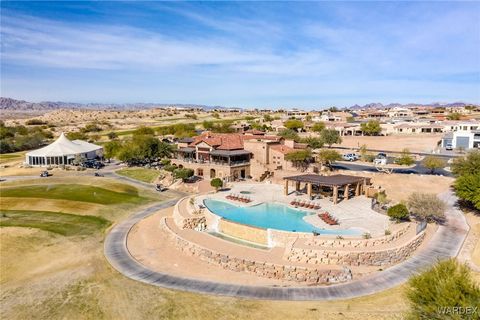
21,105
409,105
25,106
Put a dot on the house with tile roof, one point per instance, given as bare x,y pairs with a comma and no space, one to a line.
232,156
215,155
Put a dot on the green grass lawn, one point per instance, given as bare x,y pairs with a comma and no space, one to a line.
75,192
61,223
142,174
6,157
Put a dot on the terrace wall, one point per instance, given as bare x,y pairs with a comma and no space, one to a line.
358,243
244,232
259,268
356,258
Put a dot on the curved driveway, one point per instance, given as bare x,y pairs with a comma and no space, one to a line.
445,243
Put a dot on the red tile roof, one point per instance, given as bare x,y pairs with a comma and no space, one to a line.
228,141
220,141
282,148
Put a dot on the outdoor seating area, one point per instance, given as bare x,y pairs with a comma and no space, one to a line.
341,187
239,197
328,218
305,204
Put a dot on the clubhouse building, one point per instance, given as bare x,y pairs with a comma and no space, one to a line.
63,152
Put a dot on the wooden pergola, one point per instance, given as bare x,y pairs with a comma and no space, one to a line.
335,182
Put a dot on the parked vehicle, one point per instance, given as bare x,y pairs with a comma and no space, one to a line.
93,164
380,159
351,157
449,147
160,188
44,174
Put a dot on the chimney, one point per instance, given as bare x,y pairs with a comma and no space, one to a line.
290,143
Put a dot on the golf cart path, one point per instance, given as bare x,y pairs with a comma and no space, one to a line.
445,243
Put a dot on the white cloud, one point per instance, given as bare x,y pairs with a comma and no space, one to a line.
27,40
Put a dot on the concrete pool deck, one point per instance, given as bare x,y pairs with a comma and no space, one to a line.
355,213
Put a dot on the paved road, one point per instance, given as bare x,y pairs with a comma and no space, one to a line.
444,153
446,243
417,169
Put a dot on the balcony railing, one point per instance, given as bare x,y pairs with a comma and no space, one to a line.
220,163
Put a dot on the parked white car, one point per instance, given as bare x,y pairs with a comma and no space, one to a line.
449,146
380,159
350,157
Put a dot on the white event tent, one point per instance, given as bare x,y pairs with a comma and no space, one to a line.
63,151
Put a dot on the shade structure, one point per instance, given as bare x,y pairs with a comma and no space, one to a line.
63,151
335,182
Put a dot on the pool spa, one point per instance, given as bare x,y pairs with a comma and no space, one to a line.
271,215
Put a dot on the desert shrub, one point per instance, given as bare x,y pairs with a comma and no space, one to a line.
371,128
289,134
165,162
313,142
330,136
433,163
467,187
318,127
327,157
144,131
470,164
405,158
293,124
111,149
92,127
112,135
76,135
18,138
35,122
445,286
170,167
191,116
381,197
426,206
182,173
398,212
217,183
267,118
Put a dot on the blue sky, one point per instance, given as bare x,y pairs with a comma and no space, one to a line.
249,54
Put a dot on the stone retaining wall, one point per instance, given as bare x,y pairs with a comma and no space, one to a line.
189,222
192,223
357,243
356,258
258,268
244,232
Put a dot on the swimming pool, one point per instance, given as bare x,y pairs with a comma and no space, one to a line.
270,215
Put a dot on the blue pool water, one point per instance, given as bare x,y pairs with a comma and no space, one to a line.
269,215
